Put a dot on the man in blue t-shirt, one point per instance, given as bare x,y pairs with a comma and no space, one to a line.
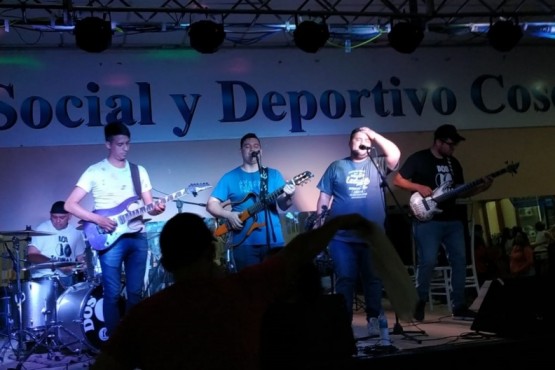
247,206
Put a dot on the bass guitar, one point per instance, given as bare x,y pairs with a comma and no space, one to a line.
251,212
127,216
424,208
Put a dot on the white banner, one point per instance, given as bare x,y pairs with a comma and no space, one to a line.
62,97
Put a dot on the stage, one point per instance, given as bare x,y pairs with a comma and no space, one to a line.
437,341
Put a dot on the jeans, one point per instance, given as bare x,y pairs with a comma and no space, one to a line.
130,251
428,236
247,255
351,260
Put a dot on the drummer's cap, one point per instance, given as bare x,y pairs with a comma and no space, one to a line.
116,128
185,239
58,207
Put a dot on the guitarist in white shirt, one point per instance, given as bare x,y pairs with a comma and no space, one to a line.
423,172
110,183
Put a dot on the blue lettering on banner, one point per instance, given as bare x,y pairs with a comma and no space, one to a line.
241,102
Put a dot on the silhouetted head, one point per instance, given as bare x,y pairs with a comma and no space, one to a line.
185,239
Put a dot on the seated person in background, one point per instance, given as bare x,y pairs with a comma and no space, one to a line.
522,257
485,257
65,244
208,319
540,248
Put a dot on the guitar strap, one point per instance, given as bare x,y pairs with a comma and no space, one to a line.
136,178
263,183
136,181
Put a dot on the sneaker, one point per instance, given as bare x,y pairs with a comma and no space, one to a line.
463,313
373,327
419,311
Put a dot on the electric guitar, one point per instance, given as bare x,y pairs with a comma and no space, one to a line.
424,208
126,215
251,212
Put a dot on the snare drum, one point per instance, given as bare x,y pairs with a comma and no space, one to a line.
81,315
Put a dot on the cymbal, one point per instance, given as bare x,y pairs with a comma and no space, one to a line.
26,233
51,265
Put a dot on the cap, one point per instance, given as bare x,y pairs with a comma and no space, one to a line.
58,207
448,132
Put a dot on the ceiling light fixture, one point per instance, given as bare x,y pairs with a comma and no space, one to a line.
93,34
310,36
206,36
504,35
405,37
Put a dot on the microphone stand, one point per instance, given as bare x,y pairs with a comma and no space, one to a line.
397,327
264,177
179,204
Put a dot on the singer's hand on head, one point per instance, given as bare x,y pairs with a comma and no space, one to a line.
371,133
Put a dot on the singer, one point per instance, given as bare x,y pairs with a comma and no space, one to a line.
353,184
252,223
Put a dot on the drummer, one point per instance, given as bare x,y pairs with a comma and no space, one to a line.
64,247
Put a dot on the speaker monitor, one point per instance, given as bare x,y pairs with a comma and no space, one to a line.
516,308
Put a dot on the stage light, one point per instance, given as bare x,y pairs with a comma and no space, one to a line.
504,35
206,36
310,36
93,34
405,37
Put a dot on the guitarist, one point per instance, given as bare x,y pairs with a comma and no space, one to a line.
110,183
250,238
422,172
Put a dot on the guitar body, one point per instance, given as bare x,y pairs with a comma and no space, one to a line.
424,208
225,227
98,238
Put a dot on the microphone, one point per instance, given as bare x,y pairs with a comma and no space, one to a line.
255,154
364,147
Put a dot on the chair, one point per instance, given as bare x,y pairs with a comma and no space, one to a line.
440,285
471,280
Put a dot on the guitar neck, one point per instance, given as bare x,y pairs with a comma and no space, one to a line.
259,206
149,207
466,187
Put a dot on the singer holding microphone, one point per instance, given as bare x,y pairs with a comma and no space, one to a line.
354,185
252,223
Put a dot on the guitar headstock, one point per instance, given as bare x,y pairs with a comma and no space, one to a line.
197,187
511,168
303,178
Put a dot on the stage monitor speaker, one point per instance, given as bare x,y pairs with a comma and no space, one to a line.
517,308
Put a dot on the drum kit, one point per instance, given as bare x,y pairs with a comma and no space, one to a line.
43,314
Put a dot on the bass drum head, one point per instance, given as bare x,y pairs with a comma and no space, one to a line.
81,316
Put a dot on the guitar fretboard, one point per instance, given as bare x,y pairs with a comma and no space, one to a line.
255,208
149,207
468,186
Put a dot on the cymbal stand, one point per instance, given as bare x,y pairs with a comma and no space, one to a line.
19,298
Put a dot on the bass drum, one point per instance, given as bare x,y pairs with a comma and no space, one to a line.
81,315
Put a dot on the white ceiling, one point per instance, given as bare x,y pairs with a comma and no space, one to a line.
269,23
